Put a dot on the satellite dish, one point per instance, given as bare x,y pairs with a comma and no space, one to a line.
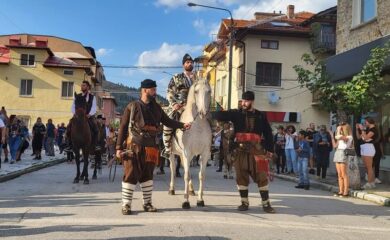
273,97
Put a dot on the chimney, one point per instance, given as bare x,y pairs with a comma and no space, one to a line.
290,11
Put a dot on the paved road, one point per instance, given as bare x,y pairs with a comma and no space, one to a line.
46,205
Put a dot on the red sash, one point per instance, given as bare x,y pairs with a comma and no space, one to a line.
248,137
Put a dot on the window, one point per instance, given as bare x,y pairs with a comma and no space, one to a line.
240,75
270,44
219,87
268,74
363,11
67,89
68,72
27,60
368,10
223,86
25,87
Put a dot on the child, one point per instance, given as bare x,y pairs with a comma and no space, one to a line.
303,159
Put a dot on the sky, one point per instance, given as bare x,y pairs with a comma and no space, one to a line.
135,32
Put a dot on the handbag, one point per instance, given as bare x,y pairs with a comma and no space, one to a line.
349,152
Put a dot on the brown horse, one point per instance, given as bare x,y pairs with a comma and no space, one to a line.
81,137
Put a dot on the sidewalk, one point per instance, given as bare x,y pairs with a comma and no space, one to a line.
27,164
380,195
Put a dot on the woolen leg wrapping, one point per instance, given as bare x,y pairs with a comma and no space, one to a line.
127,193
147,188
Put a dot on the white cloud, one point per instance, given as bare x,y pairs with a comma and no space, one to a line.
101,52
167,54
200,26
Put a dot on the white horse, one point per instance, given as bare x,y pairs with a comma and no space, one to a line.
193,142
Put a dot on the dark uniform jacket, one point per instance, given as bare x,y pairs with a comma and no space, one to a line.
142,122
249,122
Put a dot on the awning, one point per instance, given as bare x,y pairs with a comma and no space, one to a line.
342,67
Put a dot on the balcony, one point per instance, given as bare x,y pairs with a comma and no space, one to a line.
324,40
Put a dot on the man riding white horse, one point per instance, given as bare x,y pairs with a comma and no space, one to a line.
177,96
91,111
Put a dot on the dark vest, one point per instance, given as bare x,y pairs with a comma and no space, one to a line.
89,103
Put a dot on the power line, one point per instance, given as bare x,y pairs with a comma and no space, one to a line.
108,65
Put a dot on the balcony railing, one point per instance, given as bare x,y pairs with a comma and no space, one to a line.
324,40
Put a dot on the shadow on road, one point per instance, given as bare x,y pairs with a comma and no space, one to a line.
22,231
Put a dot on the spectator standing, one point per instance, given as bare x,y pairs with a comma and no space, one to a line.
4,117
50,136
303,160
322,147
15,138
38,132
311,131
290,146
217,145
280,143
367,134
377,157
2,135
25,138
342,141
60,137
227,139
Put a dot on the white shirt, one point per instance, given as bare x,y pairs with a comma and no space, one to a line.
290,141
93,108
107,131
342,144
1,123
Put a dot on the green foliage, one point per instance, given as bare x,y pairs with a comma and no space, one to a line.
360,95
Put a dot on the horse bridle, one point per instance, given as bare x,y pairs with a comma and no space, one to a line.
197,114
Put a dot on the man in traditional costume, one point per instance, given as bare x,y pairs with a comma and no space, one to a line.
137,144
253,145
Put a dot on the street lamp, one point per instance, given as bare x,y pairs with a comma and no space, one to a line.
190,4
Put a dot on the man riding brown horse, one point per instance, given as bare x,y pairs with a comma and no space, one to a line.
90,113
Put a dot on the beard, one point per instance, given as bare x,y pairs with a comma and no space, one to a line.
151,97
189,68
247,107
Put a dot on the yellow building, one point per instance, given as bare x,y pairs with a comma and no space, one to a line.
264,52
39,75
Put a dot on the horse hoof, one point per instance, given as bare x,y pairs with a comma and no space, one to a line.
192,193
186,205
86,181
94,177
76,180
171,192
200,203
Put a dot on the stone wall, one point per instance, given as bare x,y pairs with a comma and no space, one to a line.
349,37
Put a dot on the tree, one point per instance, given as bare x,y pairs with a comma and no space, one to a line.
360,95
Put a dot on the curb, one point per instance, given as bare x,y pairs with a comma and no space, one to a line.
383,201
32,168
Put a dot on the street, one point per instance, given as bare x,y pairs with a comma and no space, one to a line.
46,205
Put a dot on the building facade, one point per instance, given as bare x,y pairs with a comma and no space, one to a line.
265,51
39,75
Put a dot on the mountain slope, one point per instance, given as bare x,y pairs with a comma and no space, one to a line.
124,94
